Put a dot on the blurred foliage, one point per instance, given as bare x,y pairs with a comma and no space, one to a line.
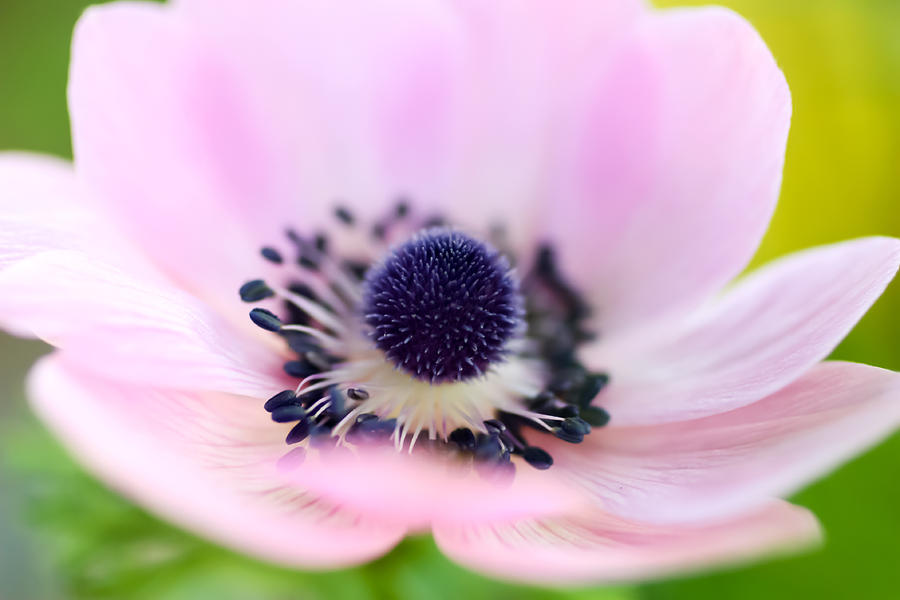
65,536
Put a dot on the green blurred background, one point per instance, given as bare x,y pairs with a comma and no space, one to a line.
62,535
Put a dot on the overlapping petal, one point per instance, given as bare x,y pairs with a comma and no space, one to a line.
758,337
189,457
43,208
114,324
592,546
726,463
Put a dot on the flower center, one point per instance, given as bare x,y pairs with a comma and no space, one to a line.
405,328
442,306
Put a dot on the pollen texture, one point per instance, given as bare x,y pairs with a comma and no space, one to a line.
442,306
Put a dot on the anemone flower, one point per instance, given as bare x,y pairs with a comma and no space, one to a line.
484,249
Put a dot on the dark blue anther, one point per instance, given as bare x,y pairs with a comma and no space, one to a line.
272,255
572,430
300,369
442,306
357,394
543,400
402,208
280,399
488,448
576,425
298,433
308,262
265,319
310,398
256,290
372,429
595,416
464,438
568,436
356,268
537,458
288,413
570,410
321,242
344,215
336,401
300,342
592,385
495,425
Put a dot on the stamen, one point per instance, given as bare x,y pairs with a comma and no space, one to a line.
311,308
288,413
320,335
357,394
298,433
449,315
256,290
265,319
537,458
344,215
280,399
300,368
272,255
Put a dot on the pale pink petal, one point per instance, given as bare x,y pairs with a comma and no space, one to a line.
233,125
42,208
131,330
420,489
519,57
227,125
188,458
447,102
757,338
37,198
669,164
591,547
727,463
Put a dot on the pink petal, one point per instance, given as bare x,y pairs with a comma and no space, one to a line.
669,165
729,462
250,117
757,338
519,56
43,208
185,457
591,547
129,329
420,490
234,123
146,105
